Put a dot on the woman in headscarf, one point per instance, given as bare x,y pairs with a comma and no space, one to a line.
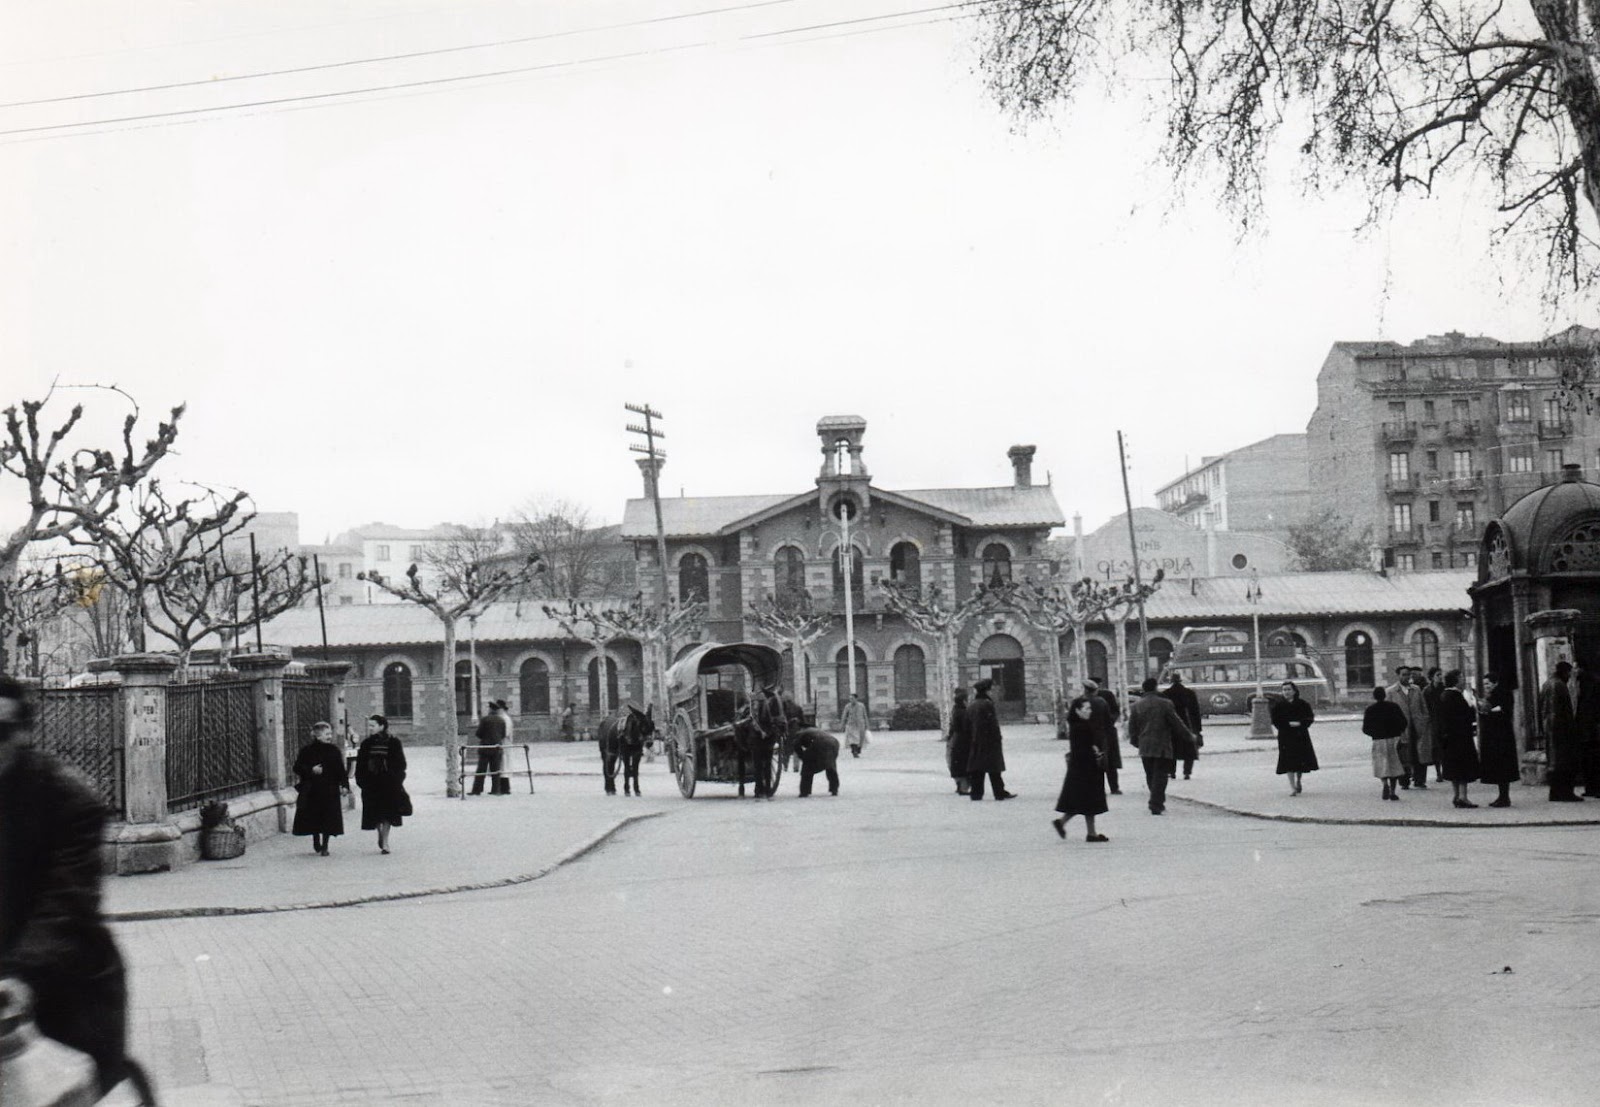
1292,718
381,775
1083,791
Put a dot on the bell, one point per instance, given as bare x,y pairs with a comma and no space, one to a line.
34,1070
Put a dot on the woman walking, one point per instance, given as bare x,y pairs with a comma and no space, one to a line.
381,775
1458,757
1083,792
1497,743
958,744
322,776
1385,723
1292,718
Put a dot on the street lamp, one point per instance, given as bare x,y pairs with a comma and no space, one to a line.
1260,709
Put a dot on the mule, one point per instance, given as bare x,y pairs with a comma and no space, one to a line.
622,737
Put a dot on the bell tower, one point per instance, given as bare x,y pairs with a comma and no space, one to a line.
844,478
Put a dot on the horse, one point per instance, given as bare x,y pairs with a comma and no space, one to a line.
623,736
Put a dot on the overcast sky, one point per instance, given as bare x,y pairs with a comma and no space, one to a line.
431,303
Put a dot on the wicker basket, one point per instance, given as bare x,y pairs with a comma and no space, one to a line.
222,843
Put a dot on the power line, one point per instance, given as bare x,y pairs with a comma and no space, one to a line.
571,63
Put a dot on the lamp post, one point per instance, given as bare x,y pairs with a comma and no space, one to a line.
1260,709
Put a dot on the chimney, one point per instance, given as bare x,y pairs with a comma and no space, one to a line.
1022,464
1571,473
651,468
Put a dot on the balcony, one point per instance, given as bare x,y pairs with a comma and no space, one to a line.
1555,428
1403,431
1466,482
1466,533
1194,499
1517,425
1405,536
1461,430
1393,484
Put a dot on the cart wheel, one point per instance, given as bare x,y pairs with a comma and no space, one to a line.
683,744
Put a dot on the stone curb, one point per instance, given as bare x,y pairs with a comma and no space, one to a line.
566,858
1331,821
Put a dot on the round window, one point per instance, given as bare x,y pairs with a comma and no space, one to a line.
1240,561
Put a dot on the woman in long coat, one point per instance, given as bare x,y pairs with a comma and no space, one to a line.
1292,718
958,744
1083,791
322,776
1384,722
1497,743
988,755
381,776
1455,724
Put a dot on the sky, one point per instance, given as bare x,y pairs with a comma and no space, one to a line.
431,303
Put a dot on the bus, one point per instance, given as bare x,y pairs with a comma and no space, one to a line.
1219,665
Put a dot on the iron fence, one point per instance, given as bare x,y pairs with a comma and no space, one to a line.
304,702
211,742
83,727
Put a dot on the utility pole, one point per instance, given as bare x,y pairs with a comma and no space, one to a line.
1133,549
656,456
1260,708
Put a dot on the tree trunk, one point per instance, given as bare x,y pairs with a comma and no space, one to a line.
1080,656
1057,684
1119,627
452,740
1578,89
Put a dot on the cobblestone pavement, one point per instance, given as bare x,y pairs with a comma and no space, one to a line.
898,944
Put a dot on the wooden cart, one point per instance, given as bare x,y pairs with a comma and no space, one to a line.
713,689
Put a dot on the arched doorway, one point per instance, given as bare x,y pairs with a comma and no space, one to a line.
1161,653
841,677
1094,656
1358,668
1000,659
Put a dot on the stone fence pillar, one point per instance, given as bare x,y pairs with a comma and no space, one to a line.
266,671
335,672
147,839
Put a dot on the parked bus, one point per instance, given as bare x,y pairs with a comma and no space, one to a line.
1219,664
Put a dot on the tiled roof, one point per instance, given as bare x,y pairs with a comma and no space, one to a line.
692,516
379,624
997,507
1350,593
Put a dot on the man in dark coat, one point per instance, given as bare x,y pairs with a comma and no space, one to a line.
1586,715
1188,707
958,743
1154,727
1099,689
1558,719
988,755
818,752
53,942
492,732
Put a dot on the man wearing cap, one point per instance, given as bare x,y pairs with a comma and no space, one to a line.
987,757
772,723
491,732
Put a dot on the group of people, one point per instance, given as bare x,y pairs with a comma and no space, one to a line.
322,779
1425,719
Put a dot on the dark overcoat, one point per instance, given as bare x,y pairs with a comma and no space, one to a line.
318,810
1430,750
1458,757
1296,754
1154,727
381,776
1106,713
988,754
1083,791
960,740
1558,719
51,933
817,750
1188,705
1497,741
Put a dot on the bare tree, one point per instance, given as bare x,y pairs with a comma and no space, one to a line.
793,620
586,561
66,486
656,631
936,615
469,576
1057,606
1398,95
211,595
37,599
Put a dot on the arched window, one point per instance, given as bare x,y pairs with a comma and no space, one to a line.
1358,670
534,684
1094,653
1426,645
857,587
1160,653
905,566
397,690
788,673
841,668
612,699
1287,638
910,674
789,571
464,683
694,579
996,565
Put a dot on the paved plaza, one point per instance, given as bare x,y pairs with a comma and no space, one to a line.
896,944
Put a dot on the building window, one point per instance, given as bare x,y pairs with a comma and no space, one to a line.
612,698
1466,515
789,567
1433,511
1427,410
1438,559
464,689
1461,464
1554,460
1094,656
841,677
1518,410
416,553
1358,672
1397,410
1433,461
1406,563
996,565
1519,459
397,690
1399,466
383,553
533,684
1469,560
857,585
910,674
1425,644
905,566
1461,409
694,579
1517,367
346,601
345,570
1400,516
1553,413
